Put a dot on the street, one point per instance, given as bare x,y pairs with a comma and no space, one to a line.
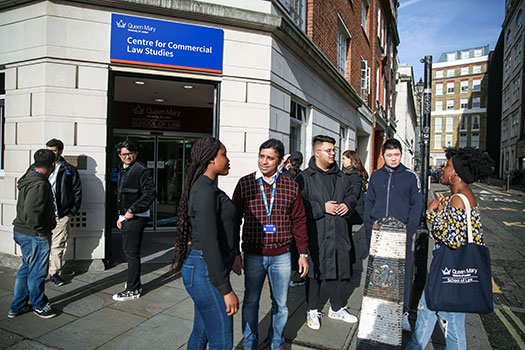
502,215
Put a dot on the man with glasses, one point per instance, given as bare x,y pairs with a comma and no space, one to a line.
136,192
328,200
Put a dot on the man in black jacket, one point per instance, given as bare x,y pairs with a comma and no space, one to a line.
35,218
136,192
65,182
328,200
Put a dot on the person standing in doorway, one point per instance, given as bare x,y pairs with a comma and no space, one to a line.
67,189
329,199
273,212
35,219
394,190
136,192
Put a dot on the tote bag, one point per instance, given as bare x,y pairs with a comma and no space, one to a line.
460,279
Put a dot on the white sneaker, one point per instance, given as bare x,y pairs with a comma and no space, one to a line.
342,314
406,324
313,319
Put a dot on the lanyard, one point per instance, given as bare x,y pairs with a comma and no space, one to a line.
274,186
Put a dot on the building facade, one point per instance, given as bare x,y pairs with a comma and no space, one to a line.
459,101
512,115
406,115
166,73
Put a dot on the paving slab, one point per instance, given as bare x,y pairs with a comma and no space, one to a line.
84,305
7,339
93,330
152,302
31,326
30,345
159,332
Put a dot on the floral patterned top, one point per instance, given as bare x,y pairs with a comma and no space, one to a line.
449,226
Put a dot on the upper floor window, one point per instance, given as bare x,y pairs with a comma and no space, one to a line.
476,102
450,104
297,121
365,72
451,56
462,140
475,122
439,74
464,86
437,141
439,105
450,124
478,52
509,36
448,140
476,69
463,103
463,123
297,10
519,19
364,15
437,124
439,89
465,54
464,70
476,85
342,48
474,140
450,72
450,87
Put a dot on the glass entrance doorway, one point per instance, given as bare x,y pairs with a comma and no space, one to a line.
166,156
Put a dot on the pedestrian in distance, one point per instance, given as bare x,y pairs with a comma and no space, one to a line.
394,190
273,212
67,190
353,167
35,219
135,192
329,200
208,227
447,217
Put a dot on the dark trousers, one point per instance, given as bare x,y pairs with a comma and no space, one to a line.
132,232
333,287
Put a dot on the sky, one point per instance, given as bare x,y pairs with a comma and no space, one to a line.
431,27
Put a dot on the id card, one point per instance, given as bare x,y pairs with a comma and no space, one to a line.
269,229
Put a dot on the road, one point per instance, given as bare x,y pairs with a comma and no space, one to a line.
503,218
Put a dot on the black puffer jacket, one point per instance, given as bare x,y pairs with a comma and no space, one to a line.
136,190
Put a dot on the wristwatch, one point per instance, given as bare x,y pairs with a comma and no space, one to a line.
303,255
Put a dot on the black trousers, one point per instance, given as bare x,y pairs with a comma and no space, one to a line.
333,287
132,232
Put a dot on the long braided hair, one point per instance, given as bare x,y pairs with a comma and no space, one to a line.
203,150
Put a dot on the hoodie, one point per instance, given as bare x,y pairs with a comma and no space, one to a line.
35,209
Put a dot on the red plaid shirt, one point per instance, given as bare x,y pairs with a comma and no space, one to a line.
288,216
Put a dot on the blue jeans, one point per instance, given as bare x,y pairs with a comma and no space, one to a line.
211,324
279,269
30,280
426,319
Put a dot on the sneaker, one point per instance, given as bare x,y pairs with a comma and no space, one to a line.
56,280
406,324
45,312
128,295
313,319
301,282
342,314
25,309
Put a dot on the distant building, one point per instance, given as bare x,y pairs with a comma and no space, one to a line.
406,115
459,99
512,115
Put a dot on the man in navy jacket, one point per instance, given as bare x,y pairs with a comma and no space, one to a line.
394,190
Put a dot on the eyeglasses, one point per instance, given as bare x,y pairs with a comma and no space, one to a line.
329,151
124,155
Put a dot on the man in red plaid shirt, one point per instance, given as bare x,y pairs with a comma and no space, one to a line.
273,212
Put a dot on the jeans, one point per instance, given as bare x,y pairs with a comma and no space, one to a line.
211,324
30,280
132,232
279,269
426,319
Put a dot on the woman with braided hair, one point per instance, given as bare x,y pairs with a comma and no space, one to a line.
208,228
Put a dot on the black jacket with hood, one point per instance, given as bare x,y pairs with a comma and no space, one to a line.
35,209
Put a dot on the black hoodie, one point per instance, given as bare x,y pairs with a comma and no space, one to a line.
35,209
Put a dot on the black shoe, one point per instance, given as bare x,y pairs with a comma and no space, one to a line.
56,280
45,312
128,295
14,314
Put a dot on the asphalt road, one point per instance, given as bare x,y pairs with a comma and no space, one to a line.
503,219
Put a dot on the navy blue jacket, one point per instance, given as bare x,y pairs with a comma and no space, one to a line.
398,194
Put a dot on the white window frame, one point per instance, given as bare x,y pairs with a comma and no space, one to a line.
439,73
451,56
463,103
343,38
438,124
463,86
463,123
451,72
476,102
475,122
449,124
298,120
476,69
450,87
450,104
365,6
462,139
474,137
365,77
449,140
476,85
439,105
465,70
465,54
439,89
478,52
437,141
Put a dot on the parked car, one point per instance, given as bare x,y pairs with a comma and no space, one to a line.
435,174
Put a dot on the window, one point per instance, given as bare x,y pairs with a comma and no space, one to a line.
450,87
364,78
463,103
437,141
509,36
464,70
2,119
450,104
462,140
478,52
439,89
342,48
476,69
465,54
364,14
450,124
476,102
451,56
378,70
297,10
439,105
463,123
475,122
437,124
439,74
297,120
464,86
448,140
450,72
515,124
519,19
474,140
476,85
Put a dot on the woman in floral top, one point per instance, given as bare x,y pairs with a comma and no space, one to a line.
448,221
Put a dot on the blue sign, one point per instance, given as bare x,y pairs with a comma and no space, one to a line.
153,42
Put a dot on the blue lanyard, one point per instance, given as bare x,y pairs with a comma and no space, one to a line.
272,199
